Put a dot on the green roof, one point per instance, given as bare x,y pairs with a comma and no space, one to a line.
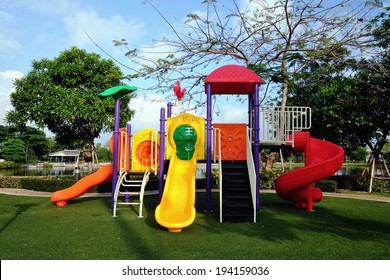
117,92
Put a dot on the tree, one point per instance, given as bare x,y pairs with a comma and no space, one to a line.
34,140
373,75
62,94
275,40
360,154
350,105
14,150
104,154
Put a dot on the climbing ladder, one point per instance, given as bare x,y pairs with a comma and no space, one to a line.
130,187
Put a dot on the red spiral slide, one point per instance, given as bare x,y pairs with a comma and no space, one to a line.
322,159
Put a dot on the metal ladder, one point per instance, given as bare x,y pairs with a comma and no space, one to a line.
122,190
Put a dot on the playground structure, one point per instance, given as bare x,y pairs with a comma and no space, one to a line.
284,127
233,149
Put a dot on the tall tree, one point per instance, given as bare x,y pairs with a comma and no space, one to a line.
62,95
34,139
274,38
14,150
373,75
350,105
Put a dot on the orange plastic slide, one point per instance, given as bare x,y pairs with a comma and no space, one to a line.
83,185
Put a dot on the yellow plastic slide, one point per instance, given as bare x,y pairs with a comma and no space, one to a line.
177,207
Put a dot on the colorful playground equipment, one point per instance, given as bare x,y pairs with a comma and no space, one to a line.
186,141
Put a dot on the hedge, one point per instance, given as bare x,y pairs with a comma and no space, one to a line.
267,178
327,185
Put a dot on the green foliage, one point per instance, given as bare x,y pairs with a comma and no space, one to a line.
34,139
361,183
348,109
267,178
11,182
103,153
386,151
360,154
9,165
14,150
327,185
350,182
46,184
62,94
381,186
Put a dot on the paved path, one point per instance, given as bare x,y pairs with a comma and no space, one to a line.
23,192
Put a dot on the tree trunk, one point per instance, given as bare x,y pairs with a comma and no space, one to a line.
271,158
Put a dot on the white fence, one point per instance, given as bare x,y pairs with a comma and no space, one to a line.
278,124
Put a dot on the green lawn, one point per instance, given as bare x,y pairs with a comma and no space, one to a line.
33,228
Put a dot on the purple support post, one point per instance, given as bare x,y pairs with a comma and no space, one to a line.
115,156
169,111
250,111
162,153
128,130
209,135
256,143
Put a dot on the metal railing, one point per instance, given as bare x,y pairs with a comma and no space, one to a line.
278,124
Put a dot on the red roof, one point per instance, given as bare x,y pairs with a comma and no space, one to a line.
232,79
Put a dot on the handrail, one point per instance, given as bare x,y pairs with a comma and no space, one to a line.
124,152
154,152
251,172
217,131
278,124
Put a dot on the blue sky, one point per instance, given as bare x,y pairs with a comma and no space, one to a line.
35,29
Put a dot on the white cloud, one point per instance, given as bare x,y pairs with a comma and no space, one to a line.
6,87
147,114
102,30
147,111
8,43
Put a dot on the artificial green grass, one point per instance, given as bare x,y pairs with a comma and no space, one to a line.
33,228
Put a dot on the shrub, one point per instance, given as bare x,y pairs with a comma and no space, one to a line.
361,183
10,182
267,178
350,182
8,165
327,185
381,186
45,184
